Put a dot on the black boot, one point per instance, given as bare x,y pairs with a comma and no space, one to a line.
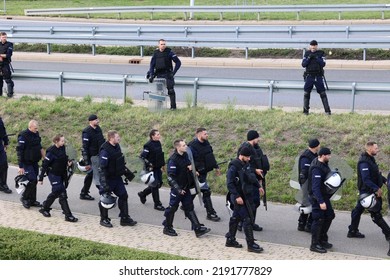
231,235
123,206
208,204
3,179
168,223
315,237
156,199
63,200
325,103
104,219
255,226
198,228
45,210
306,102
324,234
250,240
302,222
142,195
308,223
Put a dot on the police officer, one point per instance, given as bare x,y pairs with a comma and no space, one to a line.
240,180
322,212
314,62
205,162
181,180
6,50
258,168
55,165
161,67
4,141
370,181
153,157
29,152
112,168
305,220
92,139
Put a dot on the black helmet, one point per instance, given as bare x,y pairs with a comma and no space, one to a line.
107,201
21,182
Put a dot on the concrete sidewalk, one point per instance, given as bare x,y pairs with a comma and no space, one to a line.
150,237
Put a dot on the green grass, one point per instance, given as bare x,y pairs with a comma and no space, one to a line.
26,245
17,7
283,135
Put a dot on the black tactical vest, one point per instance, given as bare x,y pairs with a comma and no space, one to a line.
314,68
247,178
32,151
96,139
163,62
116,160
375,174
205,159
156,154
3,50
60,162
310,156
183,176
324,169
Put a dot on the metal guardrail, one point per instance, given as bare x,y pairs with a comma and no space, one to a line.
272,87
243,37
213,9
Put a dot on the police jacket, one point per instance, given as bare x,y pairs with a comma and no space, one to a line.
112,161
317,176
29,148
7,49
153,154
203,156
258,159
304,164
240,179
55,162
179,176
161,62
92,140
314,62
370,178
4,140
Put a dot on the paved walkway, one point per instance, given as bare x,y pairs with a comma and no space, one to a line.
150,237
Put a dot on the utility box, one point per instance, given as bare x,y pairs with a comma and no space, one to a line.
157,100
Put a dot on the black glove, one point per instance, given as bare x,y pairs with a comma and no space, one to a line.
148,75
129,175
151,79
312,56
106,189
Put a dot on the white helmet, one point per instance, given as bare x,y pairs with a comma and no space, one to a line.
81,166
333,181
303,209
147,177
107,201
21,182
367,200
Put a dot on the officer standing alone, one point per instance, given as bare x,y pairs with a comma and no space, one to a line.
314,62
161,67
6,51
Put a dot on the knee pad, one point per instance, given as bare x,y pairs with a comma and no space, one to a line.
206,193
171,91
376,216
306,94
63,195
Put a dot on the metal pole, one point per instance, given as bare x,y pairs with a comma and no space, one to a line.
61,80
353,97
192,3
271,94
124,88
195,95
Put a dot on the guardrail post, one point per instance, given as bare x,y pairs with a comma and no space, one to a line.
151,16
297,15
246,52
141,50
195,94
61,80
220,16
51,30
237,31
258,16
119,15
48,48
139,31
93,49
383,15
364,54
12,29
93,31
290,31
185,31
185,16
353,97
192,52
124,83
271,94
347,32
339,15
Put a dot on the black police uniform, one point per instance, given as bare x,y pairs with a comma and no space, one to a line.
5,69
55,165
305,220
112,168
180,178
4,141
314,62
370,180
322,219
92,139
240,181
153,157
205,162
161,67
29,154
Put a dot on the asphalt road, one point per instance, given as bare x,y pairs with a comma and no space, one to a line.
209,96
279,222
